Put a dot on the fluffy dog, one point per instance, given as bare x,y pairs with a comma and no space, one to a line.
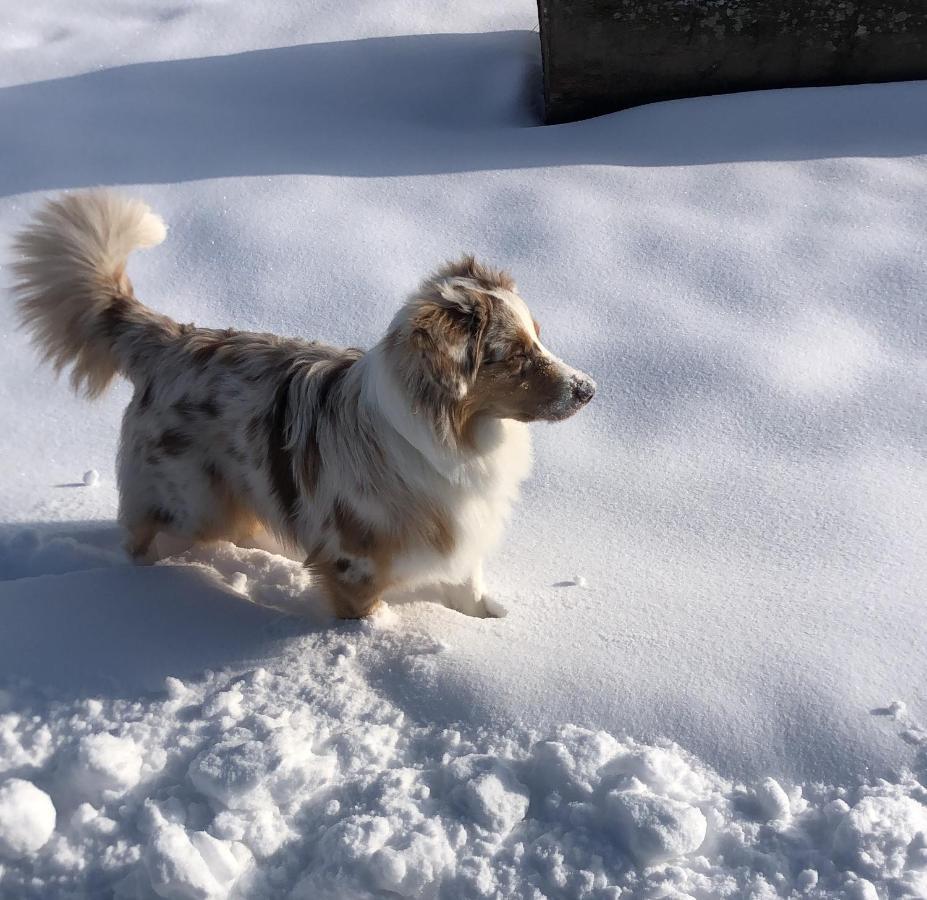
394,467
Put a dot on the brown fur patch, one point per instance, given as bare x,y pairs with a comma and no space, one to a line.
449,338
236,522
122,281
468,267
114,318
436,529
205,343
429,525
349,599
350,596
520,386
356,536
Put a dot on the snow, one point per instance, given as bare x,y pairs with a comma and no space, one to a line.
105,764
27,818
772,802
489,793
191,865
878,834
727,702
653,828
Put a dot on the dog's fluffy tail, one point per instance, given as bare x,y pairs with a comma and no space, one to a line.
72,291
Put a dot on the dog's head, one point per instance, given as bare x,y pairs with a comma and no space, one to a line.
467,340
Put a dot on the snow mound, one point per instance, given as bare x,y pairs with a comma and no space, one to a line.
263,578
184,865
25,553
772,801
296,778
884,833
490,793
27,819
654,828
106,766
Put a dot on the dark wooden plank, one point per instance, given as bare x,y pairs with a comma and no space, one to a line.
603,55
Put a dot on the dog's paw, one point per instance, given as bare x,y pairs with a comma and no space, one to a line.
493,608
464,599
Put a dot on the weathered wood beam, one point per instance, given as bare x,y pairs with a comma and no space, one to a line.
603,55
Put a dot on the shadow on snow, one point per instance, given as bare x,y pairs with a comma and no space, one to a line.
79,618
411,105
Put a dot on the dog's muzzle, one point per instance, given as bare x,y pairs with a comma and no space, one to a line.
577,389
583,388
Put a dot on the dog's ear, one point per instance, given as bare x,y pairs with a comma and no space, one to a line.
468,267
447,332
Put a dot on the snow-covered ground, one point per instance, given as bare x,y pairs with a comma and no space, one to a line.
711,677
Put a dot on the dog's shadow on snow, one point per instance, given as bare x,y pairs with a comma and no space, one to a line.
406,105
79,618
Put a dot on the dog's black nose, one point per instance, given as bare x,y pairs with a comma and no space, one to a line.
583,390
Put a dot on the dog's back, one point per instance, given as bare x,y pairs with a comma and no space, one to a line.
208,448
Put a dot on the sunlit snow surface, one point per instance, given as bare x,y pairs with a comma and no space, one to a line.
726,701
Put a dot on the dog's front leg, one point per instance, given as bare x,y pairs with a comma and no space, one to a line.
468,598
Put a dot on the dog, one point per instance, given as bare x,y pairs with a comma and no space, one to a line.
390,468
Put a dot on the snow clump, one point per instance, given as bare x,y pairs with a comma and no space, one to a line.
27,819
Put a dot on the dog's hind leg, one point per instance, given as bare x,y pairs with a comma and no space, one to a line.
139,539
143,510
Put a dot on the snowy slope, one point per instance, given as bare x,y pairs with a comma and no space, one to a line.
744,501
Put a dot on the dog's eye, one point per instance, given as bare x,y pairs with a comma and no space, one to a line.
521,359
